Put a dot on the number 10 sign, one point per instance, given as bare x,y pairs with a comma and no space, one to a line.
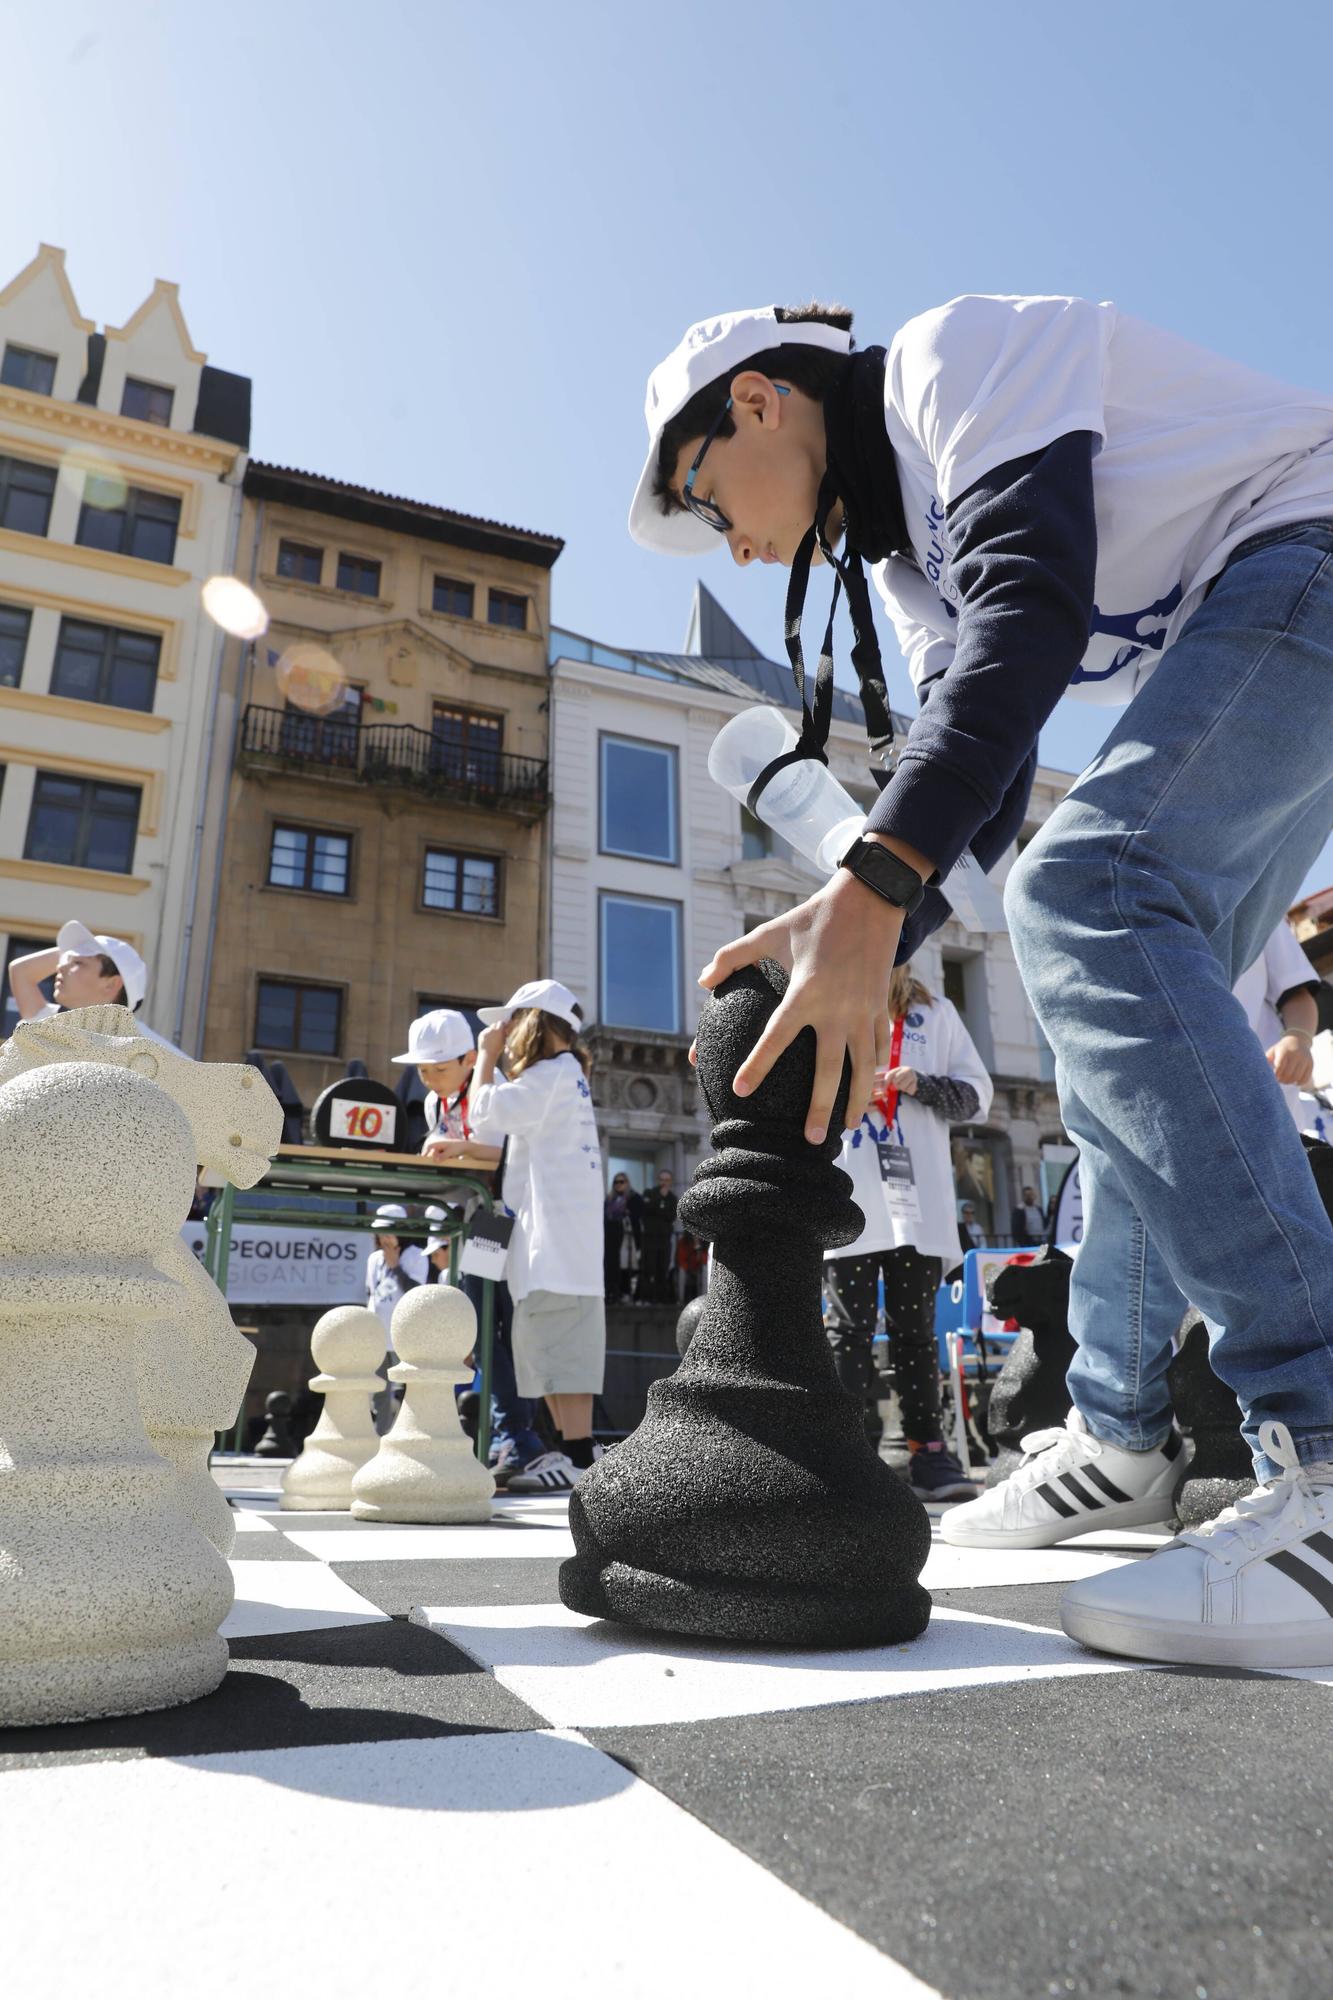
368,1124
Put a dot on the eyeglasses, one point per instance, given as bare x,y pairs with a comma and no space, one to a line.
708,511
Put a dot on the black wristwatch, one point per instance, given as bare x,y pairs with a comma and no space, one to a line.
881,870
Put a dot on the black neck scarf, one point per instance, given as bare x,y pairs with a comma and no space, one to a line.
861,474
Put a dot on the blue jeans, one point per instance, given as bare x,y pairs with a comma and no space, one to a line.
511,1414
1147,893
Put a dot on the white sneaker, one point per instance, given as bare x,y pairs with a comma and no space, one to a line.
1069,1483
553,1472
1254,1588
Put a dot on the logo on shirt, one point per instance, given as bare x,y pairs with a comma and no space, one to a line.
583,1089
915,1020
1146,631
936,558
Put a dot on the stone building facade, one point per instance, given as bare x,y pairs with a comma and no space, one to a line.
381,813
121,456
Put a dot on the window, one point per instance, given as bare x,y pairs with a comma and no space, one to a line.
457,599
300,857
19,947
300,562
638,799
128,521
325,739
640,954
504,608
14,623
104,663
25,368
25,495
465,746
82,823
148,401
358,573
966,985
304,1020
955,984
468,883
756,838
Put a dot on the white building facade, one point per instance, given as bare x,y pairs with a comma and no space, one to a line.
121,455
654,866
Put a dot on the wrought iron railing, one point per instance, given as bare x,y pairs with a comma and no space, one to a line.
387,753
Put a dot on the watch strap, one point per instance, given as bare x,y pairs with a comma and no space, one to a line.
884,872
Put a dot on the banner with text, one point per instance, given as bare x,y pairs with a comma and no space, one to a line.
286,1266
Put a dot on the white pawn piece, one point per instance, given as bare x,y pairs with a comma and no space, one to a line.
425,1469
348,1346
110,1598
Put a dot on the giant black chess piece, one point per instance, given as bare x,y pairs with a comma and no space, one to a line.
277,1440
1030,1392
1221,1469
748,1505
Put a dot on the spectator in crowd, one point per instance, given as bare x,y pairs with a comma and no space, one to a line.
442,1048
553,1184
1027,1224
971,1235
622,1237
90,971
1278,995
902,1181
656,1281
692,1263
392,1269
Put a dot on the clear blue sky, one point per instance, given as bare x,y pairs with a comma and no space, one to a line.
448,241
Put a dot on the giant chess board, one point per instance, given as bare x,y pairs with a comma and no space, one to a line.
423,1776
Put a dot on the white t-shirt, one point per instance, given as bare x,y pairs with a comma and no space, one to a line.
383,1290
50,1010
935,1043
553,1175
1280,966
1195,455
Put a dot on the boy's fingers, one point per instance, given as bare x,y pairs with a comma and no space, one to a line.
769,941
863,1079
883,1041
694,1055
828,1075
777,1036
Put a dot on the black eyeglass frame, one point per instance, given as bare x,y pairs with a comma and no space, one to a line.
708,511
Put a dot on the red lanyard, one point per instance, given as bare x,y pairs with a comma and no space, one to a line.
888,1100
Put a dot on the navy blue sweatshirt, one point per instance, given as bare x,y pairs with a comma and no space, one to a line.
1024,562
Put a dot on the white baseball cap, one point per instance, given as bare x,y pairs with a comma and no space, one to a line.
77,937
711,348
385,1220
548,994
434,1243
440,1036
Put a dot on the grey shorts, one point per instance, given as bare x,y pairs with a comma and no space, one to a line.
559,1344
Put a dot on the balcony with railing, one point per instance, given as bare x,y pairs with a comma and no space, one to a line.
341,747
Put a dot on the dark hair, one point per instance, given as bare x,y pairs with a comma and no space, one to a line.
111,970
810,369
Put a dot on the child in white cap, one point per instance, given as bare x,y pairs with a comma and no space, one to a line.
442,1048
553,1184
91,970
393,1268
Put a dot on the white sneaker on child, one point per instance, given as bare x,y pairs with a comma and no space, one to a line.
1069,1483
1254,1588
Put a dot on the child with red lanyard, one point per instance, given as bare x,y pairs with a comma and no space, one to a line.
443,1048
902,1181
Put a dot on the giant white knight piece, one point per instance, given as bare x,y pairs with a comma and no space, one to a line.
425,1469
193,1366
348,1346
110,1597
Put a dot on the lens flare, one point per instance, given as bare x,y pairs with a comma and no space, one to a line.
95,480
310,678
234,606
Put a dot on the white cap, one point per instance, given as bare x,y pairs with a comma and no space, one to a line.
434,1243
385,1220
548,994
438,1037
714,347
77,937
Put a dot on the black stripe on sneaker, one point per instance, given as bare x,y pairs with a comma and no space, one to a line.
1079,1492
1321,1544
1108,1486
1306,1576
1052,1499
1171,1449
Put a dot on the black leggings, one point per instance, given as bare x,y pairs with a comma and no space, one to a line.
910,1284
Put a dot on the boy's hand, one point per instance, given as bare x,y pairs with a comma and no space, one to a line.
437,1147
1292,1060
839,947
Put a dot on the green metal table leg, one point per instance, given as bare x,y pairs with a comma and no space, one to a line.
485,1345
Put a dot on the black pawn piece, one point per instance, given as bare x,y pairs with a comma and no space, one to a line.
1221,1469
748,1506
277,1441
1030,1393
689,1321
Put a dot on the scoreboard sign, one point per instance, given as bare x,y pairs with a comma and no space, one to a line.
368,1124
357,1111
